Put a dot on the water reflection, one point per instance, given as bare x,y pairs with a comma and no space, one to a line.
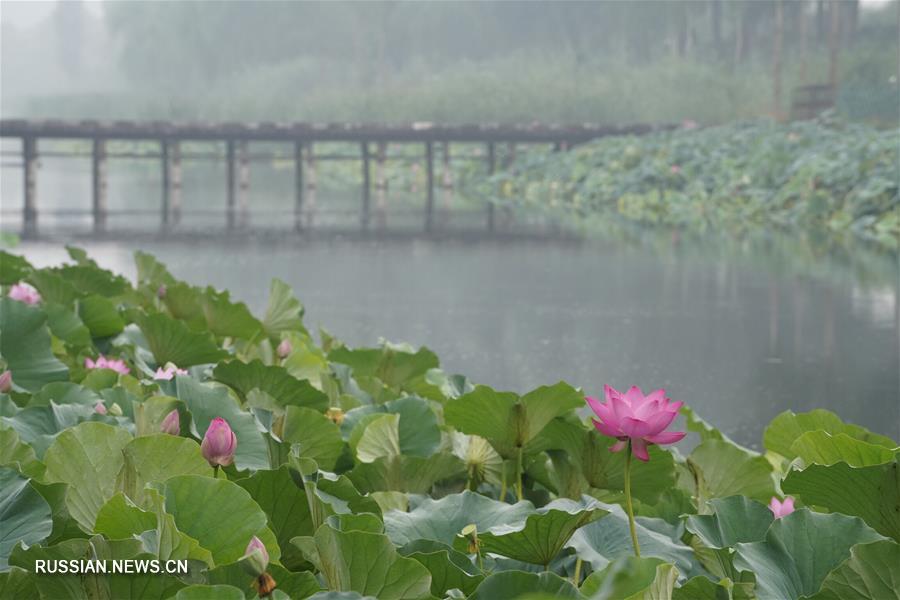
739,331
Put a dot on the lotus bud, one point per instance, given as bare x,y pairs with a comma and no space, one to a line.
5,381
284,348
115,410
100,408
256,558
172,423
219,443
335,414
161,291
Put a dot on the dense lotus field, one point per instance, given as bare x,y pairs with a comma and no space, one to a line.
160,420
826,177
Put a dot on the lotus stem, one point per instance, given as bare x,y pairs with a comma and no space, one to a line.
628,506
576,578
503,484
519,475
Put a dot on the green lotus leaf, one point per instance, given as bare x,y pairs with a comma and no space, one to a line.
24,514
823,448
441,520
25,346
54,288
91,279
219,514
509,585
13,268
100,316
225,318
199,591
156,458
120,518
799,551
870,572
544,533
57,586
286,506
417,431
17,455
17,582
171,341
449,569
872,493
207,402
786,428
87,458
722,469
150,271
631,578
605,540
331,494
733,520
275,381
340,596
67,326
411,474
284,312
294,584
380,438
507,420
314,434
38,426
392,364
366,563
65,392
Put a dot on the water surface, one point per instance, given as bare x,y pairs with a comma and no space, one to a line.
739,336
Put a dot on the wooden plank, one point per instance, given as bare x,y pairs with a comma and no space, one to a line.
29,168
298,186
229,183
166,181
99,186
491,165
429,186
366,185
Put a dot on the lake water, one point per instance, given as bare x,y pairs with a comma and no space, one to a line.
739,332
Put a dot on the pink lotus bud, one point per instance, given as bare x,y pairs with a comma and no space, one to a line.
284,348
675,169
171,424
633,417
24,293
219,443
100,408
781,509
256,557
161,291
5,381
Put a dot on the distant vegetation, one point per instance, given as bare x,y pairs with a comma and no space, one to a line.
711,61
822,176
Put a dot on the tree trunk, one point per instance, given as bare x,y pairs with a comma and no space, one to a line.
834,43
776,59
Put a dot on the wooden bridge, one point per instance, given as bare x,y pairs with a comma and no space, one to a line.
299,137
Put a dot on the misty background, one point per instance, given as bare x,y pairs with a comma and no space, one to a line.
607,62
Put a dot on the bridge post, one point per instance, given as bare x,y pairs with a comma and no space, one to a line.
176,182
298,186
243,183
381,186
366,187
229,183
311,185
491,166
446,181
429,186
166,181
98,179
29,164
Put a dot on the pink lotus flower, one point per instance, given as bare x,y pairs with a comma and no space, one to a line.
102,362
171,424
168,373
100,408
284,349
24,293
635,417
219,443
5,382
675,169
161,291
781,509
